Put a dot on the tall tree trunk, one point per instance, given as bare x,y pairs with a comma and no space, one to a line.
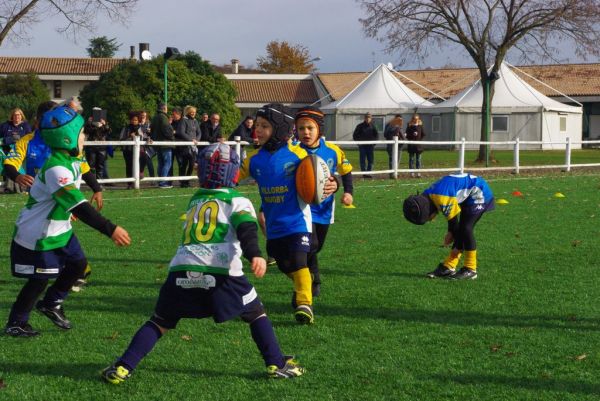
481,157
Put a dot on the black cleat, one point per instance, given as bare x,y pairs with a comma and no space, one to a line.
290,370
55,314
15,329
465,274
304,314
441,272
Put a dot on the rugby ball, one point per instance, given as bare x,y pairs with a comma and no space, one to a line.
311,175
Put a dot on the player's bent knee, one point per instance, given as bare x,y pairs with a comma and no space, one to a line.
253,312
163,324
78,266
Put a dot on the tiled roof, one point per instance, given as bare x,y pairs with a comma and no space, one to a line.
58,66
275,90
570,79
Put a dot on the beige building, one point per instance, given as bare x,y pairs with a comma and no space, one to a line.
65,77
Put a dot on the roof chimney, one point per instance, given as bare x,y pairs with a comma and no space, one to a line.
132,52
235,66
142,47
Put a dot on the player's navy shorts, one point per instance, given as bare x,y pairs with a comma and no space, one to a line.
476,209
187,294
291,252
26,263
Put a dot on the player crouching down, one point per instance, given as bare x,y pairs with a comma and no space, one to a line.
205,275
462,199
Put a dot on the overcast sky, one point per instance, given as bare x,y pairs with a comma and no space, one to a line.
220,30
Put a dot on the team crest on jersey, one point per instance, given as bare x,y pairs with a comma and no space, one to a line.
196,280
63,180
289,168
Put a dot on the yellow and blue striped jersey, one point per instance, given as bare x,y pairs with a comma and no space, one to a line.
275,174
33,156
452,191
337,162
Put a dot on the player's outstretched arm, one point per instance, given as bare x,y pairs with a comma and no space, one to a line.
23,180
120,237
86,213
448,239
259,266
90,180
98,199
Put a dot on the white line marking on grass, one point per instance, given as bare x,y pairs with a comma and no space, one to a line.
403,184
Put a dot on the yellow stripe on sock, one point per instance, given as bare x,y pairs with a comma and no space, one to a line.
302,286
452,260
471,260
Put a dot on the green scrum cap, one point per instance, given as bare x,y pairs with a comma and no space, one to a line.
60,128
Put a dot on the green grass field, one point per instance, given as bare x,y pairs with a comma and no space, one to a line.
527,329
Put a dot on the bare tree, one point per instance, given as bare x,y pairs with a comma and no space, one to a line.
486,29
17,16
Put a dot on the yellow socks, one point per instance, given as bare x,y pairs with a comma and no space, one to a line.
452,260
471,260
302,286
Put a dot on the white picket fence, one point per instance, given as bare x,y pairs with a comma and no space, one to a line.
461,147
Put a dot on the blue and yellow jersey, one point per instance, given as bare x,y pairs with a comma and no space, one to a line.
275,174
452,191
33,152
337,162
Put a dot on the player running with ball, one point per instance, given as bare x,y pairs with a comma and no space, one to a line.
309,128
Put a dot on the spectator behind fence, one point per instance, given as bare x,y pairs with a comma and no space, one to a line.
10,132
14,128
161,130
415,132
188,129
150,152
214,129
129,133
96,155
244,131
204,124
393,129
366,131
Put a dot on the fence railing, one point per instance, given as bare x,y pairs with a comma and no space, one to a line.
460,146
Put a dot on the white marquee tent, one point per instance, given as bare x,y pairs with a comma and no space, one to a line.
518,111
381,93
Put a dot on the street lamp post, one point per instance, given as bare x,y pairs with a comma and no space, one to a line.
169,53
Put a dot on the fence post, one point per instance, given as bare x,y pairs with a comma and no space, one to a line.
516,156
461,156
238,147
136,162
568,155
395,158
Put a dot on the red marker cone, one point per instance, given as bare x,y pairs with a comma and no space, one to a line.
517,193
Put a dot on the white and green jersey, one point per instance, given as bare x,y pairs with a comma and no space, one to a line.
209,242
45,221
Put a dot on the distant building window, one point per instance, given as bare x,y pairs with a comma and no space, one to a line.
563,123
499,123
58,89
436,124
